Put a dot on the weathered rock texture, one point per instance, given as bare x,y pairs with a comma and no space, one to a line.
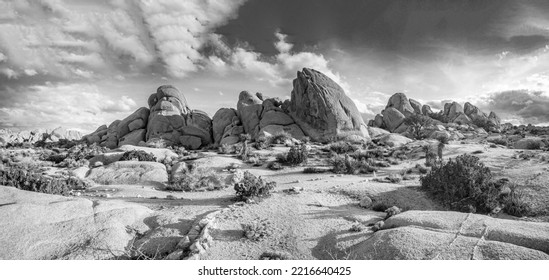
34,136
39,226
399,108
454,235
168,120
322,110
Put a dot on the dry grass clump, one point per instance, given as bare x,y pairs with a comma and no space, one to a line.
257,230
252,186
297,155
197,179
348,165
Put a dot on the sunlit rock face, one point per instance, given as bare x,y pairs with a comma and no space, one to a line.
322,109
168,120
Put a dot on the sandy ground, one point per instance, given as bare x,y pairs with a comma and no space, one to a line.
313,223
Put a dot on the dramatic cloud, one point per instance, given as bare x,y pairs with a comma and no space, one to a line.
522,105
115,52
98,39
79,106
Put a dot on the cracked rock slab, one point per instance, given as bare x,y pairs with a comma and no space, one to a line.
42,226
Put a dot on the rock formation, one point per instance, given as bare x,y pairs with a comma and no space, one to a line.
38,135
168,120
322,110
399,107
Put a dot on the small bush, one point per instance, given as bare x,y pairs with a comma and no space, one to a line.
417,124
343,147
297,155
443,139
430,156
516,204
462,182
279,138
245,151
197,179
30,181
348,165
255,160
313,170
357,227
275,255
252,186
257,231
483,123
273,165
137,155
533,145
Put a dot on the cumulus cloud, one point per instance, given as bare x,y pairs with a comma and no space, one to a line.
523,106
105,38
278,70
54,105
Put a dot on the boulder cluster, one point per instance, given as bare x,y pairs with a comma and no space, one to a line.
318,109
34,136
168,120
399,108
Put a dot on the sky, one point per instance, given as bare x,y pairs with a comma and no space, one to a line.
83,63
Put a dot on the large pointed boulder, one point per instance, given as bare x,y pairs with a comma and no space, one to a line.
416,105
222,118
322,109
249,108
400,102
392,118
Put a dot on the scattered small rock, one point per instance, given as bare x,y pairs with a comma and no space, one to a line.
366,202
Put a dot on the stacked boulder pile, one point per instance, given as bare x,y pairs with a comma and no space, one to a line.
37,135
318,109
454,116
168,120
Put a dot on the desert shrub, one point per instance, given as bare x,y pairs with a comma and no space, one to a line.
273,165
245,151
257,230
137,155
430,156
443,139
483,123
55,158
439,116
348,165
30,181
361,154
533,145
313,170
516,203
252,186
417,124
275,255
255,160
197,179
261,143
392,211
297,155
462,183
342,147
279,138
357,227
